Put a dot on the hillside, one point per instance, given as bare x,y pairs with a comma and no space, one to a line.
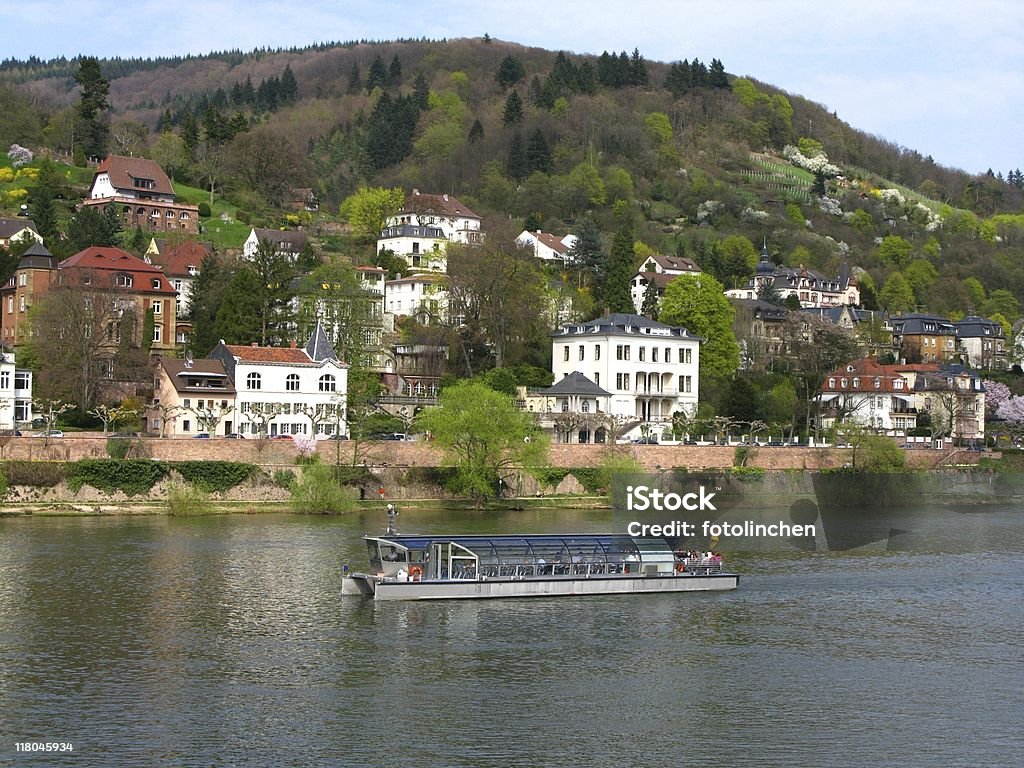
689,153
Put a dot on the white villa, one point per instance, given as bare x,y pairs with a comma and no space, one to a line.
648,369
420,231
421,296
287,391
660,270
15,393
547,247
811,288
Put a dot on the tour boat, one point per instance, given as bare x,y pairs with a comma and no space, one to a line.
424,567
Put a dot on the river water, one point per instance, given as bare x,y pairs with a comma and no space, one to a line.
222,641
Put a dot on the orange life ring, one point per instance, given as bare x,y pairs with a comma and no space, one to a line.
680,568
415,573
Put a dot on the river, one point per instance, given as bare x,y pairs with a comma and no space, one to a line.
222,641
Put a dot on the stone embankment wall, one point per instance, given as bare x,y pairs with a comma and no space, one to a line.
422,454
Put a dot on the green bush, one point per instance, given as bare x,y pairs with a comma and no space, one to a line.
204,210
118,447
284,478
317,492
214,476
37,474
243,216
132,476
589,477
184,500
747,474
3,486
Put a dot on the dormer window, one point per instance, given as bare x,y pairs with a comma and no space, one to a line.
856,383
831,383
898,384
123,280
878,383
156,283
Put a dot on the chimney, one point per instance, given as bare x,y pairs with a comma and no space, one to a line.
293,344
255,345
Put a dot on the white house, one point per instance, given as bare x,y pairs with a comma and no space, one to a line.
191,397
15,393
809,287
421,296
546,246
143,193
660,270
288,242
983,341
870,394
12,230
649,369
287,391
420,231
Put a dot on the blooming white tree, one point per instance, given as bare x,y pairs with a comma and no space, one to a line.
996,393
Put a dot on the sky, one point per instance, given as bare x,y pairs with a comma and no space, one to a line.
943,77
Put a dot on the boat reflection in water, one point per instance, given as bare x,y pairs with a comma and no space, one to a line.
424,567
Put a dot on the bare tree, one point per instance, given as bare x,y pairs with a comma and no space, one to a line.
208,417
165,414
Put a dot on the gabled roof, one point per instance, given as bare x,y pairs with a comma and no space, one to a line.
916,323
440,205
291,240
575,384
104,260
124,171
177,259
554,242
275,355
179,371
870,377
11,227
673,263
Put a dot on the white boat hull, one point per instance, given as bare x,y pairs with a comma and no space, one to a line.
390,589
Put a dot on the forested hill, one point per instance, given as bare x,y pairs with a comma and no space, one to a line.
688,152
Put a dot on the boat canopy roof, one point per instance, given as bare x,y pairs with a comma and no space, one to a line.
550,547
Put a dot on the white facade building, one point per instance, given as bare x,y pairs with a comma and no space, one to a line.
422,229
649,369
546,246
660,270
287,391
15,393
421,296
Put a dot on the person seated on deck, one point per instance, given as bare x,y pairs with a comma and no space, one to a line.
392,556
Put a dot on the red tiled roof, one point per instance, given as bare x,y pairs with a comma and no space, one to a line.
553,242
124,170
270,354
680,263
177,259
109,260
444,205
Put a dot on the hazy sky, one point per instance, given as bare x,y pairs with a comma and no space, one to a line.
944,77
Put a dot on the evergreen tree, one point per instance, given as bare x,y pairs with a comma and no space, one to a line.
378,74
535,91
740,401
421,91
289,89
44,214
677,81
586,78
395,72
239,123
190,136
239,313
638,70
587,252
476,131
248,92
355,81
207,298
165,123
513,109
650,303
538,156
615,288
510,72
515,167
92,104
716,75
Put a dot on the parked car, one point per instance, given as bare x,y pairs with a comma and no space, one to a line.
280,437
234,436
337,437
201,436
49,433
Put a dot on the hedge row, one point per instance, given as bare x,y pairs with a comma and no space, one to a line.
131,476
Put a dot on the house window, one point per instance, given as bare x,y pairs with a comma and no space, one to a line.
565,354
327,383
184,215
622,381
685,384
654,354
668,354
856,382
156,283
23,278
597,351
597,378
158,334
291,382
10,304
186,426
158,307
585,406
252,381
21,380
123,280
21,303
687,356
642,354
5,380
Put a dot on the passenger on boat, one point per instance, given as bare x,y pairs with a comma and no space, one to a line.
392,556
